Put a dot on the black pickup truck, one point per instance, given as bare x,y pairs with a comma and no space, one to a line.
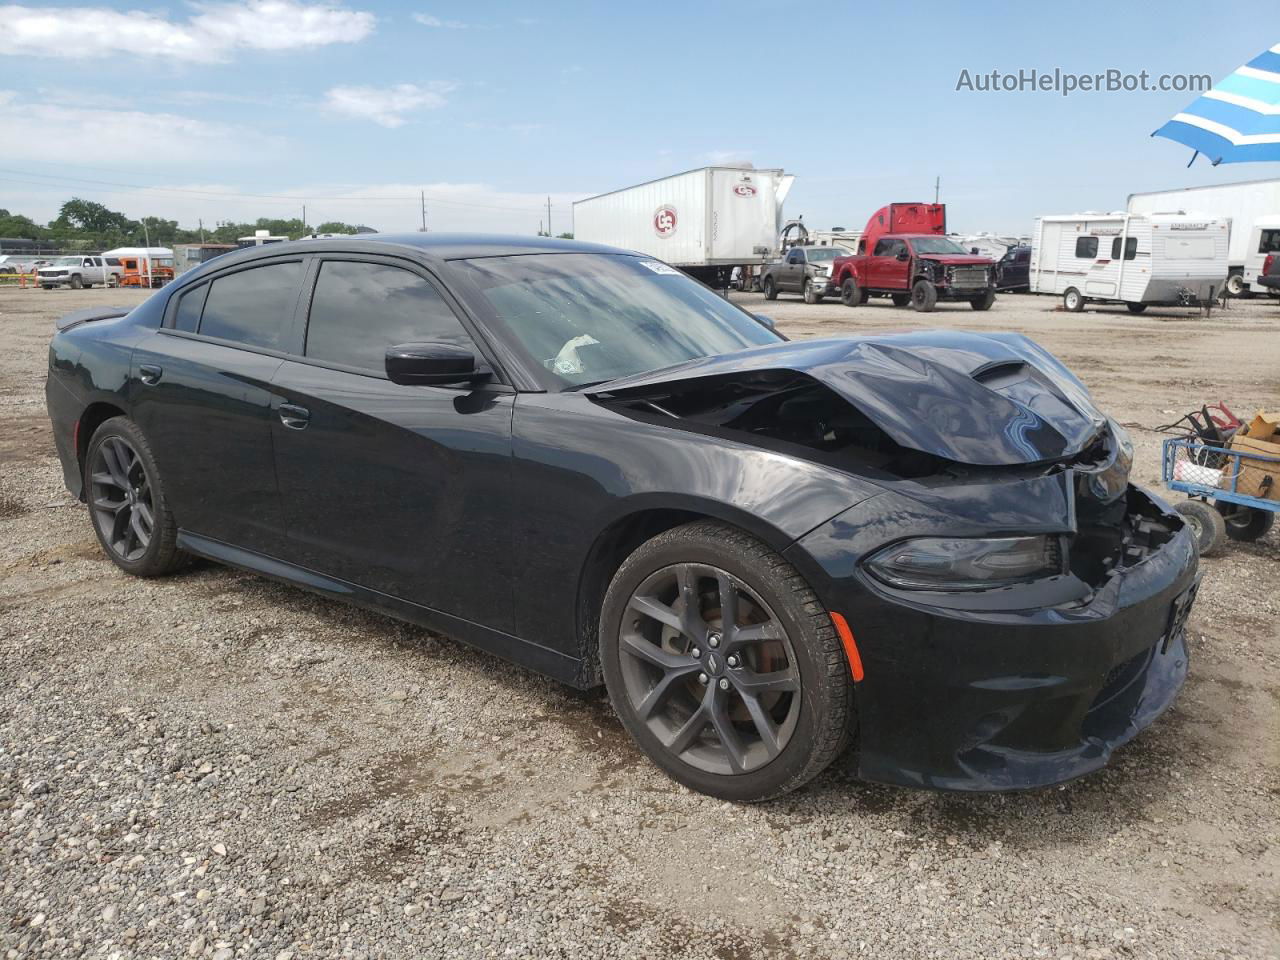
1269,277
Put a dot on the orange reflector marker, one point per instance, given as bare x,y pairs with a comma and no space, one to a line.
850,648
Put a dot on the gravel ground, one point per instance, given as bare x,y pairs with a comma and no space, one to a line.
212,765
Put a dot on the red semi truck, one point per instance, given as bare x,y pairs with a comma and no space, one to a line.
904,254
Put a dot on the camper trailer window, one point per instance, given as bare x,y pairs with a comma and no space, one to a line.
1270,242
1130,248
1086,247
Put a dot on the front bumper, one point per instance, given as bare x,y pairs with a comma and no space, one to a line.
1004,699
61,280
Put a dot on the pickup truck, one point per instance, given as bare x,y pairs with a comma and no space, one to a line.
79,271
919,269
805,270
1269,276
904,255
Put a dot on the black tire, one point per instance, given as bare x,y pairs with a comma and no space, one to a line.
107,492
1245,524
770,288
983,302
811,294
77,282
48,286
818,713
1235,285
1136,307
1072,300
900,299
852,295
924,296
1206,524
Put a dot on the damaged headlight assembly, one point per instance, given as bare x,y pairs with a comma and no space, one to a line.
963,563
1111,481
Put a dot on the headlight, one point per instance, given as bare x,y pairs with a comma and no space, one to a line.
1109,483
944,563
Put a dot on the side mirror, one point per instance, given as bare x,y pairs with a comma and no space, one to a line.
438,364
764,321
904,255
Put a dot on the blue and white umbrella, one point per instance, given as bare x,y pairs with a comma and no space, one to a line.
1238,121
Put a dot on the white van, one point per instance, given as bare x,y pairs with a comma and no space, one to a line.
1264,242
1158,259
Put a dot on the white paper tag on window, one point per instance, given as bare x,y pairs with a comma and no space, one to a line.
660,268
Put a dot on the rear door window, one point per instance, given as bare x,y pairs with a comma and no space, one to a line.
255,306
190,305
360,308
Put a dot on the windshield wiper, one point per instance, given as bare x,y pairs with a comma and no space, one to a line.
587,385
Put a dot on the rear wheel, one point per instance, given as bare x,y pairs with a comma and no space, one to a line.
770,289
723,665
1206,523
1245,524
1136,307
924,296
127,502
983,302
1235,285
851,295
1072,300
900,299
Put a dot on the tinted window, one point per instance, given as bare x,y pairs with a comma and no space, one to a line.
187,316
253,306
795,256
1086,247
360,309
1269,242
1130,248
884,248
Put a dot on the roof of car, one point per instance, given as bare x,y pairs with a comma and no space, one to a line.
461,246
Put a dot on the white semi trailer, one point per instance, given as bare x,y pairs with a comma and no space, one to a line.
705,221
1240,203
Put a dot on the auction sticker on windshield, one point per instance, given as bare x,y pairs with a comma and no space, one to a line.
660,268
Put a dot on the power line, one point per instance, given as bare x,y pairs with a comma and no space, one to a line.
215,196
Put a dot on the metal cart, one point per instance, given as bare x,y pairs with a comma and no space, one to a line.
1214,478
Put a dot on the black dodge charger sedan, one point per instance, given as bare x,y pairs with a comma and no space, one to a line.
923,547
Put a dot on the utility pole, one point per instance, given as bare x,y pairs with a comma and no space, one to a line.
548,216
937,184
422,198
304,218
202,229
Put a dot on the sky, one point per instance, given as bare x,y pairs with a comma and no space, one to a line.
237,109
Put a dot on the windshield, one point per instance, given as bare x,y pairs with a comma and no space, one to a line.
937,245
824,254
586,317
68,261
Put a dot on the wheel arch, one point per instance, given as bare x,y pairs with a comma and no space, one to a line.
621,537
94,416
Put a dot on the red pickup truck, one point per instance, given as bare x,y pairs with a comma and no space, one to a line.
904,255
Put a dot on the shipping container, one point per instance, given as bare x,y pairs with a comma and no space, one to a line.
1240,203
705,221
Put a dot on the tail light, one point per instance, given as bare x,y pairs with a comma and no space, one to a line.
1268,263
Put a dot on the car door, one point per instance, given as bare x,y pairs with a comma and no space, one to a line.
795,269
893,271
200,388
399,489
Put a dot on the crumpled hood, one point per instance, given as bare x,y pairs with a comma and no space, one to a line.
994,399
958,259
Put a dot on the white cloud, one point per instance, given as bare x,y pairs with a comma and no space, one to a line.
427,20
212,35
53,133
386,105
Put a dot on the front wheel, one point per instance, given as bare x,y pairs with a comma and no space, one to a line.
900,299
924,296
1072,300
1206,523
126,497
77,282
723,665
770,289
983,302
811,294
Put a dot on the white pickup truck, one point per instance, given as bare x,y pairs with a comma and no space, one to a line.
79,271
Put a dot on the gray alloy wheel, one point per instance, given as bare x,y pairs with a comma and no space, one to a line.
120,497
709,669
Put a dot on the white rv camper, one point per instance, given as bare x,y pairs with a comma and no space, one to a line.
1161,259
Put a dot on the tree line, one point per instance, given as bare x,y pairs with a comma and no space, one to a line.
86,225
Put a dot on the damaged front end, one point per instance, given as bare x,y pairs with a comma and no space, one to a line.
1019,606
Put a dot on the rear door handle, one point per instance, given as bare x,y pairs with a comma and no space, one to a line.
294,417
150,373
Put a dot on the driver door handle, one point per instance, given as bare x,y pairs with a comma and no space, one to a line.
150,374
294,417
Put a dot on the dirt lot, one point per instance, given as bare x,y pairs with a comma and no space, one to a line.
214,765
